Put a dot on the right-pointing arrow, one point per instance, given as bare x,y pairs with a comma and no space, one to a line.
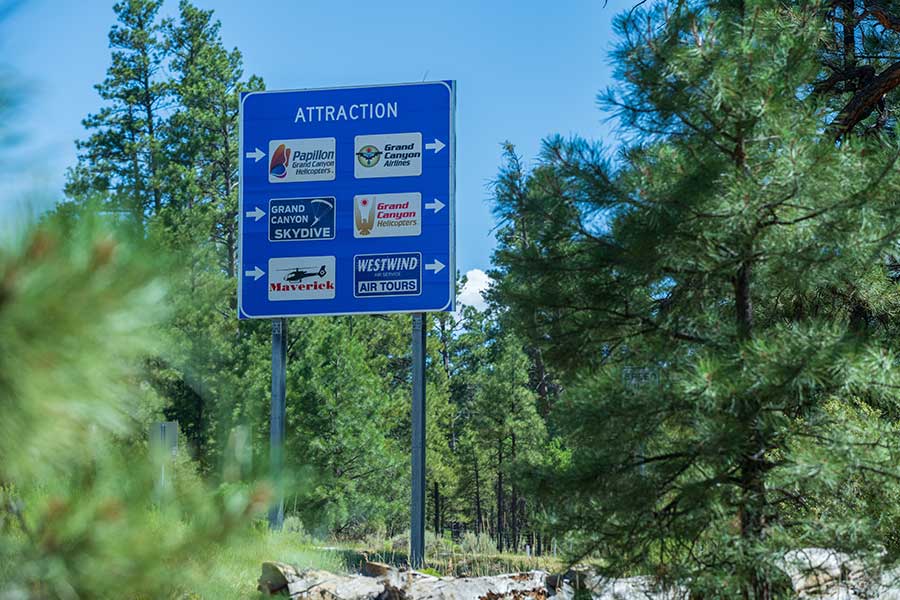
436,266
257,213
436,206
437,145
255,155
256,273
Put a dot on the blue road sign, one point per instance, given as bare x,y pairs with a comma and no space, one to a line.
347,201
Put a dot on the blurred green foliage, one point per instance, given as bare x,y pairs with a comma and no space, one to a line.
80,512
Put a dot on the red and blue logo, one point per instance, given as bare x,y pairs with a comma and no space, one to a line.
279,164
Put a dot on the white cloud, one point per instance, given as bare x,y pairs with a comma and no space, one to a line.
477,282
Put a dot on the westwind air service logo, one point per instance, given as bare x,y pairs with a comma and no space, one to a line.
368,155
279,164
363,215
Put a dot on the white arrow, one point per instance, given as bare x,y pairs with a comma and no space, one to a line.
256,273
436,206
437,146
436,266
255,155
257,213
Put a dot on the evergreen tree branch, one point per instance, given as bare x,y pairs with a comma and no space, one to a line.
865,100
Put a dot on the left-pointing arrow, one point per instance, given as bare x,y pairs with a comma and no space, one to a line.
255,155
257,213
256,273
436,266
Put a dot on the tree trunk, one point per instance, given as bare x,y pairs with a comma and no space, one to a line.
500,496
437,509
479,520
848,24
540,376
514,505
752,465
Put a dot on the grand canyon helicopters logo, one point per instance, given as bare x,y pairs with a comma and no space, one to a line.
363,215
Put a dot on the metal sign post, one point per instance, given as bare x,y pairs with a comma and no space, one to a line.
276,432
164,447
417,502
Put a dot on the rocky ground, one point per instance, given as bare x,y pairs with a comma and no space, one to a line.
815,573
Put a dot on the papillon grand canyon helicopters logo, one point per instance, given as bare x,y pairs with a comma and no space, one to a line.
303,159
279,165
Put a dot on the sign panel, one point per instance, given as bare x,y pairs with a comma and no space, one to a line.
347,201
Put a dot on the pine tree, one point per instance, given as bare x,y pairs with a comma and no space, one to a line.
123,157
463,350
507,424
76,481
203,128
720,301
202,377
348,430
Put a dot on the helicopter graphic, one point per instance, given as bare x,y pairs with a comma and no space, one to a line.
301,273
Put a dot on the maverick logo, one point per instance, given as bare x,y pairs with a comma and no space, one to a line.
363,215
280,160
368,156
303,278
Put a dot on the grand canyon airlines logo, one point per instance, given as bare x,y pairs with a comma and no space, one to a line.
369,155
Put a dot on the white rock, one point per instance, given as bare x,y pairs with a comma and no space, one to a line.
632,588
815,571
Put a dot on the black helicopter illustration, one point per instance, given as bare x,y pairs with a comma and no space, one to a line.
301,274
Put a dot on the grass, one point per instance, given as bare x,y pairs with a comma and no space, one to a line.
236,567
470,564
472,557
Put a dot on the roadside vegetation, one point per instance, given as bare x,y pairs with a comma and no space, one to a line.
686,369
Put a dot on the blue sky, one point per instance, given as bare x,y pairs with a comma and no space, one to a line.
525,69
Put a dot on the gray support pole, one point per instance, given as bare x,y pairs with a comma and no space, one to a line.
276,432
162,444
417,503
